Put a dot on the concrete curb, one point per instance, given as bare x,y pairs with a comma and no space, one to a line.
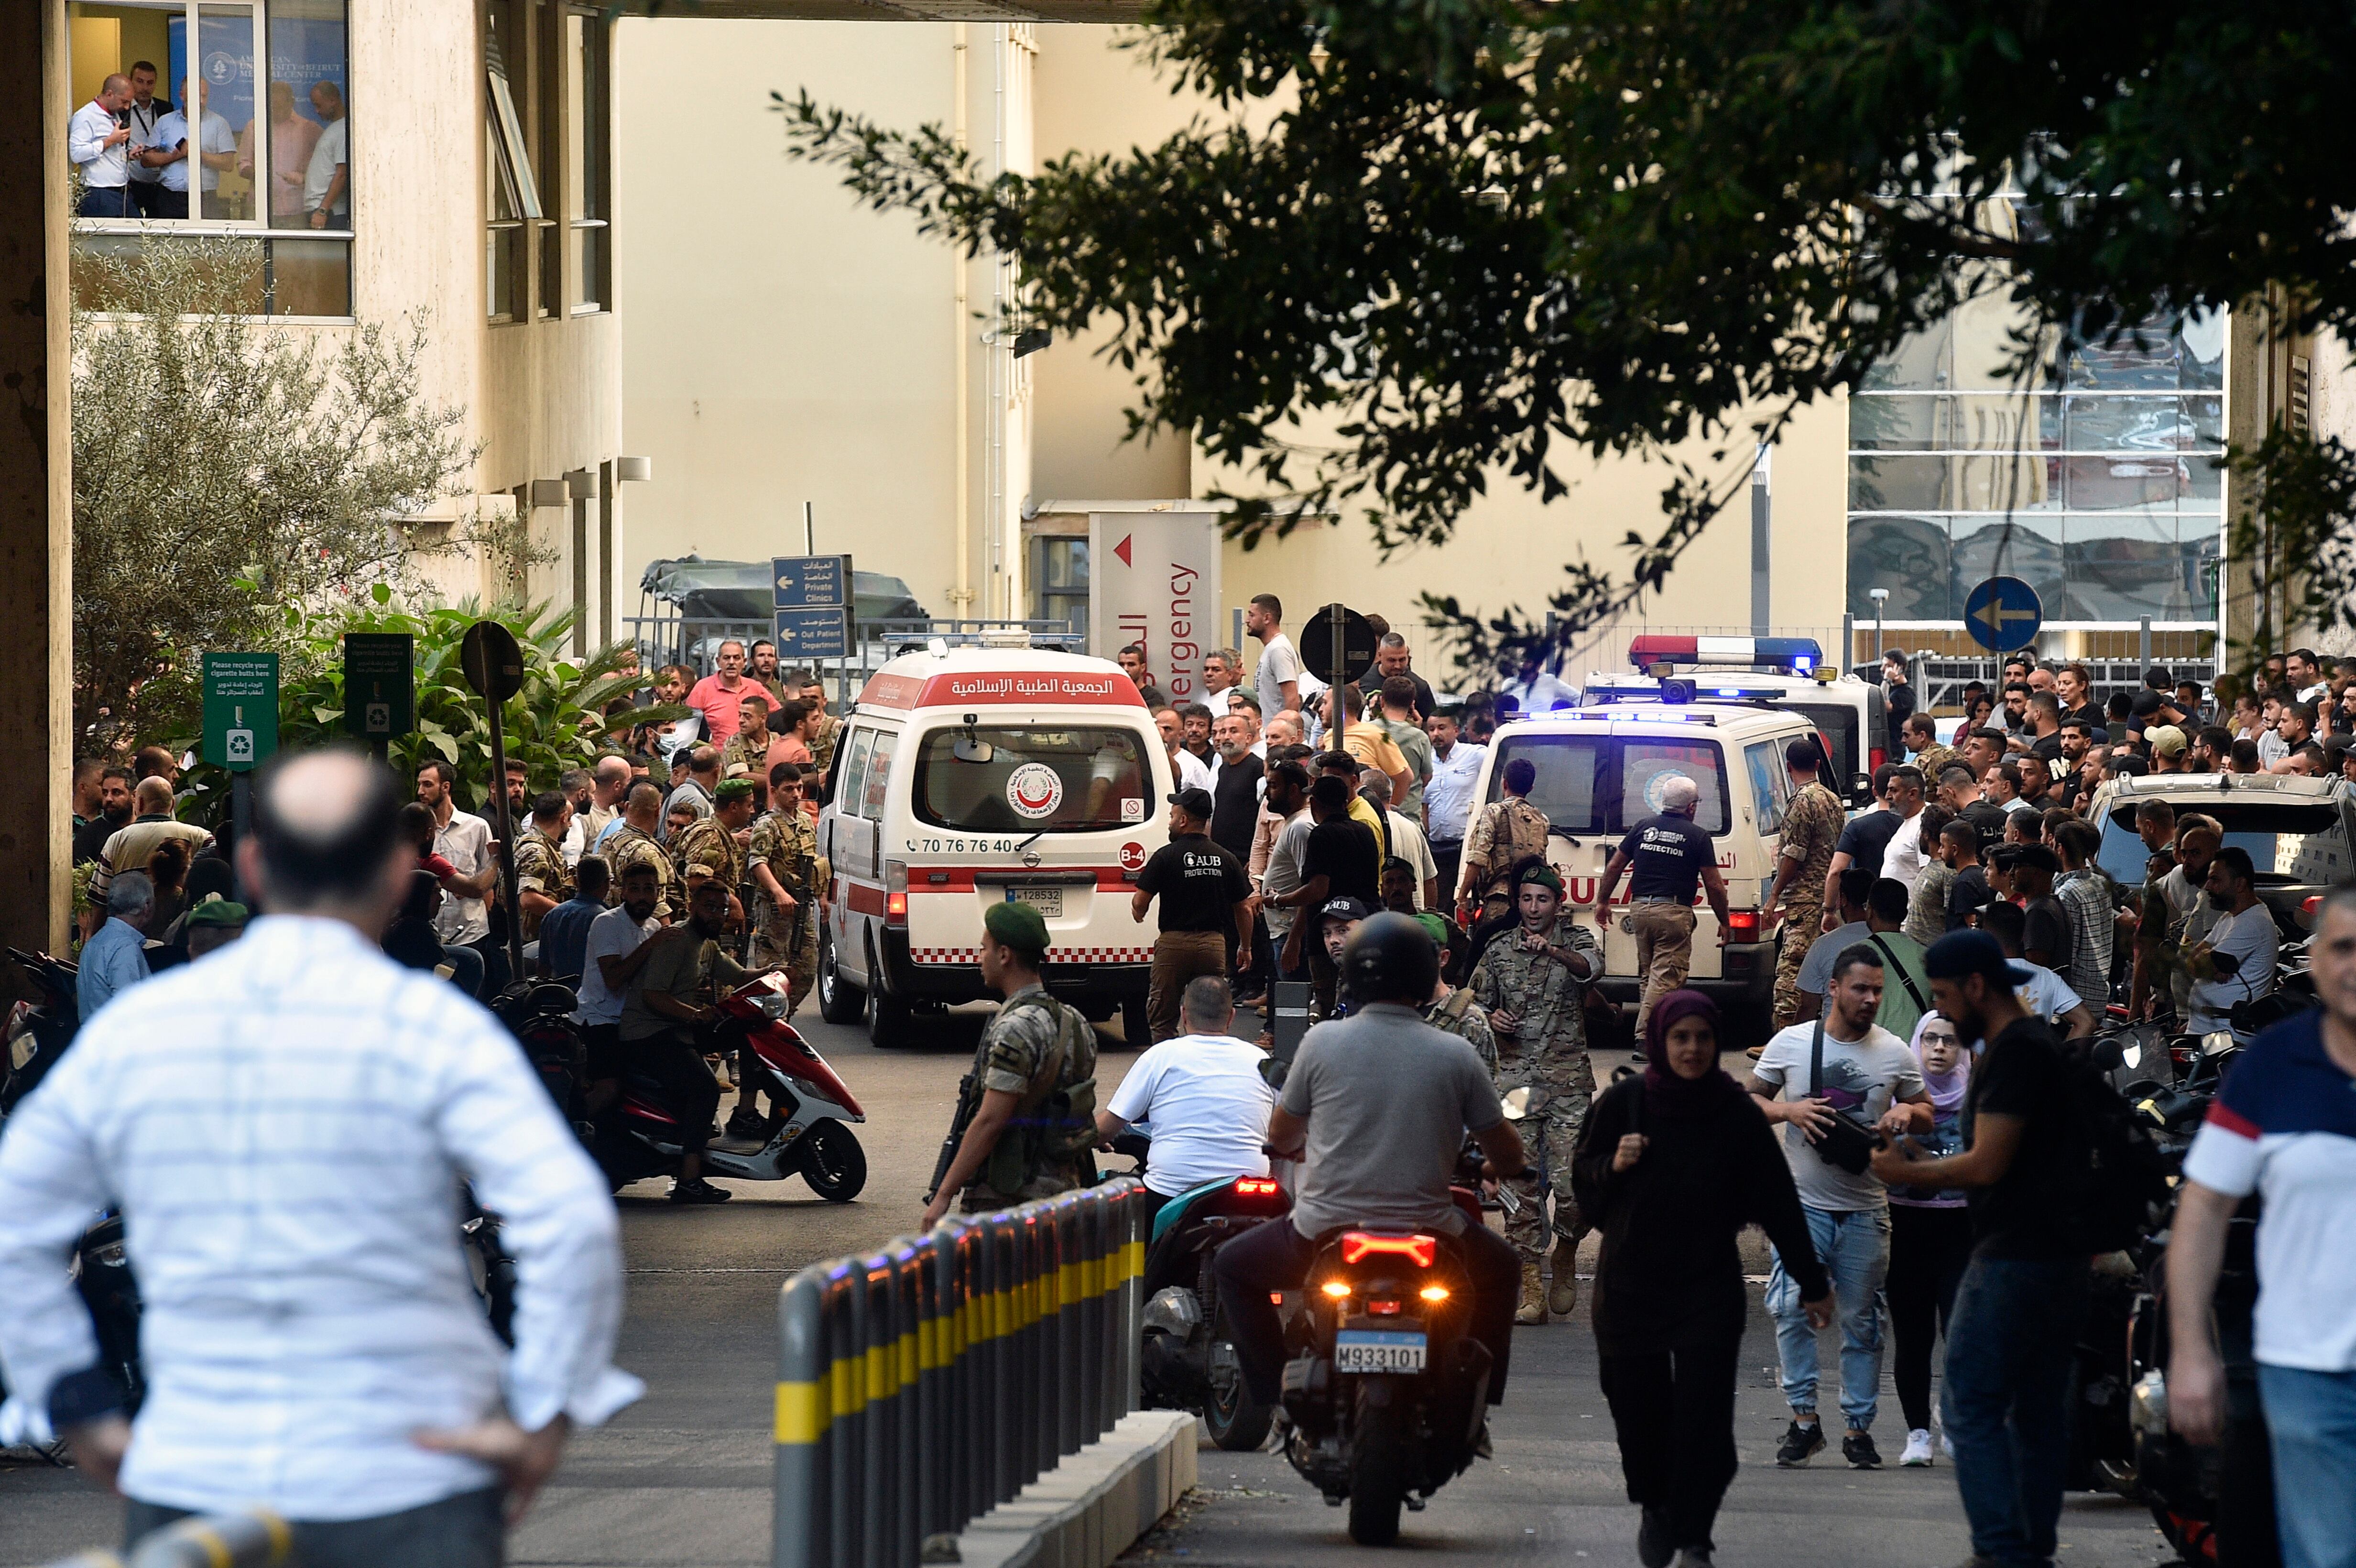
1086,1511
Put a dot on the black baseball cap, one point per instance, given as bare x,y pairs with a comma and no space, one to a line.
1195,803
1972,952
1344,908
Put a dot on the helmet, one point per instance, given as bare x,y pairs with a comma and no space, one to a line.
1390,958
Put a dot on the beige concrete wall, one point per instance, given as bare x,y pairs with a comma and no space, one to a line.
783,344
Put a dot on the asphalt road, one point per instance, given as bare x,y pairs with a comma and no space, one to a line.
681,1479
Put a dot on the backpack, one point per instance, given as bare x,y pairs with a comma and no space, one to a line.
1053,1124
2125,1177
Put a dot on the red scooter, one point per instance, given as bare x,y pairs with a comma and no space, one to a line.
806,1133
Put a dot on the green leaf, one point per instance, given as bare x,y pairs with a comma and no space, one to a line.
382,593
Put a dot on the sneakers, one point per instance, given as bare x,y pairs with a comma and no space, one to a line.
699,1192
747,1123
1799,1443
1653,1548
1918,1449
1858,1450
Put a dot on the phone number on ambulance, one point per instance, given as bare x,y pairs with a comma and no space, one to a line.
962,846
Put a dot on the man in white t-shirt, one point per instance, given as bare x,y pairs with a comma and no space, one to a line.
1870,1075
615,951
1278,679
2246,935
1905,856
327,183
2044,994
1201,1094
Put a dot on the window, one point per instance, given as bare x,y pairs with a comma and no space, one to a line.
2285,841
1008,780
547,128
266,155
850,796
1764,762
1597,783
2102,486
879,774
510,185
588,45
1059,580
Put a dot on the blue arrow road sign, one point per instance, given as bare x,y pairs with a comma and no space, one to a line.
2003,614
804,579
819,633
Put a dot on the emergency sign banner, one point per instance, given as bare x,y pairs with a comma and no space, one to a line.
1153,579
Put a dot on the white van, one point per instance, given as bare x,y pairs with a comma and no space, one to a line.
970,775
1599,772
1851,717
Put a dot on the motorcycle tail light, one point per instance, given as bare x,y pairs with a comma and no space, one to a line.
1254,1187
1419,1250
1276,1298
1338,1289
1434,1293
1383,1307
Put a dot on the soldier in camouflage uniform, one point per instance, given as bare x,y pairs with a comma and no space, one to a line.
1532,981
1503,834
749,745
1811,827
1026,1114
634,843
707,847
783,869
540,860
1454,1009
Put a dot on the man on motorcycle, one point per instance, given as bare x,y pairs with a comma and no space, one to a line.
1379,1103
1204,1097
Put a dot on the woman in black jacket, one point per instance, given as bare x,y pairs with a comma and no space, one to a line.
1671,1166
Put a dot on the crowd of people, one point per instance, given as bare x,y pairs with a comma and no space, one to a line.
134,152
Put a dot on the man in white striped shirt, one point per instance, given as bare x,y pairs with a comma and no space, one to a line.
284,1124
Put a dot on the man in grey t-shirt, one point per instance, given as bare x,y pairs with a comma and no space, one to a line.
1379,1103
1870,1075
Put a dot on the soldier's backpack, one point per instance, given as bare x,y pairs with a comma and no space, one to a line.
1054,1124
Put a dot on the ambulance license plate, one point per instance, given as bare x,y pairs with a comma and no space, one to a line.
1377,1350
1048,902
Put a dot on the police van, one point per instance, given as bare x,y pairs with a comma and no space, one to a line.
1785,672
969,775
1601,770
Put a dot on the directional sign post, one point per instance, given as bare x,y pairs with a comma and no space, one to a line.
813,607
2003,614
241,725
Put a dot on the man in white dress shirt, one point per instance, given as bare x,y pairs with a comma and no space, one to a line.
284,1124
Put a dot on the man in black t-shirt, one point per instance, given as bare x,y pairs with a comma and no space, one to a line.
1203,889
1340,860
2046,938
1671,854
2023,1294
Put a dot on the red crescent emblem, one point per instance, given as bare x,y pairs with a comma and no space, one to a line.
1035,802
1132,856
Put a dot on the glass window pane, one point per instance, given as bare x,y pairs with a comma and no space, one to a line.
1895,423
2208,419
1991,484
1906,555
310,277
309,53
1897,484
2136,480
2125,425
2028,548
220,81
2132,565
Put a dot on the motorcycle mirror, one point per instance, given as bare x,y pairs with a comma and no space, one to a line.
1524,1102
2217,1042
1273,1070
2225,964
2132,1056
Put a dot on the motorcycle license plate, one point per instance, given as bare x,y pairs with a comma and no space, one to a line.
1377,1350
1048,902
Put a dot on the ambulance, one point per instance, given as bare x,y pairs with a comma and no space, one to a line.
973,775
1601,770
1785,672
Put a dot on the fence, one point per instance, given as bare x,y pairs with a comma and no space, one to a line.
922,1385
694,641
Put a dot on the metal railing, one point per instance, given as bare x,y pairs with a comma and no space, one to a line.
923,1384
255,1540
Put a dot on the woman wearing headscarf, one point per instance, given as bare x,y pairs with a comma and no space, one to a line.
1672,1165
1930,1235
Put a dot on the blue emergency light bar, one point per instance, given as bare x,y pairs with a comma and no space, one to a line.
1800,656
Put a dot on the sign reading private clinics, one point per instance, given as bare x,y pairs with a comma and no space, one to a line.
1153,577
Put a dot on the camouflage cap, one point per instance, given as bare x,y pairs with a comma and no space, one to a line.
1018,925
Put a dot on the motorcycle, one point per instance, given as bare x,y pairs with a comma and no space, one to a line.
1187,1361
38,1031
539,1013
806,1134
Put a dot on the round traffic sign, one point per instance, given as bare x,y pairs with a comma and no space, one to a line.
1316,644
491,660
2003,613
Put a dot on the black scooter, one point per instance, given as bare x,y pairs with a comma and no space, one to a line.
1187,1359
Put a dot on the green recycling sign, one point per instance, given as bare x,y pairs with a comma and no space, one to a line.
241,708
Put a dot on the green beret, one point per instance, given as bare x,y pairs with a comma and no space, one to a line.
1538,871
1434,927
1018,925
732,789
215,909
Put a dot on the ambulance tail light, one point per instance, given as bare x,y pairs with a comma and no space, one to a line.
895,894
1874,759
1743,925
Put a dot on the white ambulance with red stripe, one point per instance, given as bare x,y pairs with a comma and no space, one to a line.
970,775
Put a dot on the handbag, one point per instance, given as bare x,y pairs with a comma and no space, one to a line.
1847,1143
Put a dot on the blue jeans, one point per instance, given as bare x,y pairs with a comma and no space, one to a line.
1854,1247
2312,1417
2009,1347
